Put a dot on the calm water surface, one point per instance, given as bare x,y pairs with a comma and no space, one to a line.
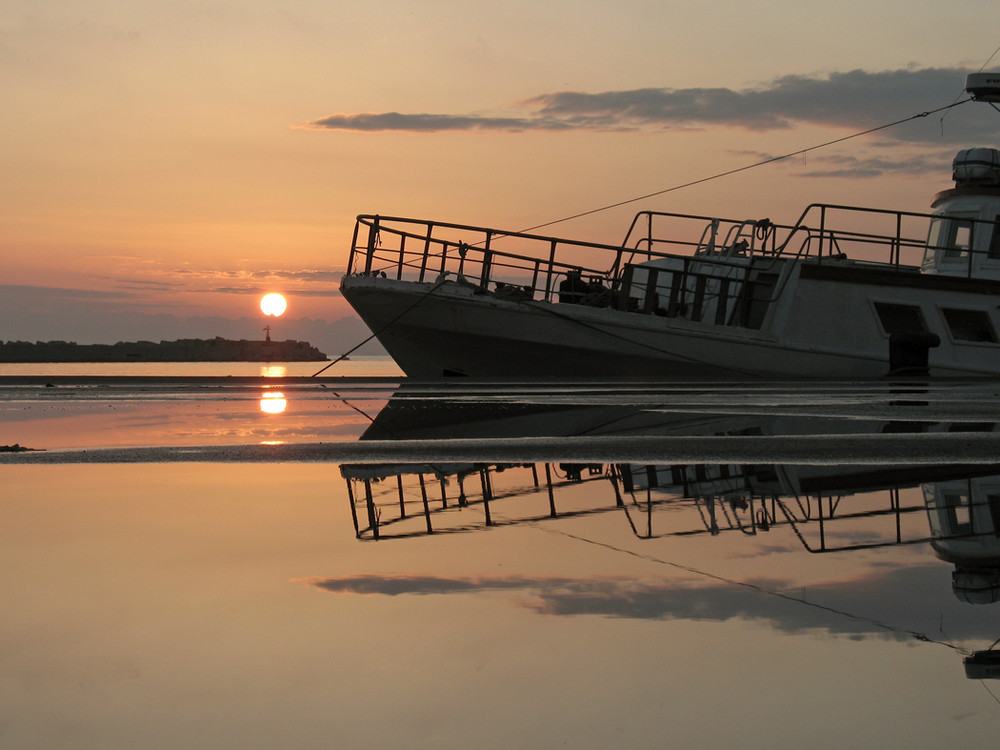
358,366
465,601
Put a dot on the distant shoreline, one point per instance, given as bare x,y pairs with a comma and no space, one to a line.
181,350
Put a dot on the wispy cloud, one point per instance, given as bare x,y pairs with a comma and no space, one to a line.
426,123
855,99
305,292
306,282
305,275
848,165
399,585
20,292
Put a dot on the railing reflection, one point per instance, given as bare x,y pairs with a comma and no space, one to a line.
846,510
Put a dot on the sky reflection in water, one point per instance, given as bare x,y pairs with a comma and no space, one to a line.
547,602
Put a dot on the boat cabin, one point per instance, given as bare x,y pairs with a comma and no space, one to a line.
964,238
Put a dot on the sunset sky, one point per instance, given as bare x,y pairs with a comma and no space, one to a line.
165,163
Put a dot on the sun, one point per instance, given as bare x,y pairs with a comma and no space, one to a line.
273,304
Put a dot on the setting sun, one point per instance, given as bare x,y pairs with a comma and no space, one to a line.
273,304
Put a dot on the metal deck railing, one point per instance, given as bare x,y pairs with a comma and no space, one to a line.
677,265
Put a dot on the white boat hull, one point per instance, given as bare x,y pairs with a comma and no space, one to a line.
449,329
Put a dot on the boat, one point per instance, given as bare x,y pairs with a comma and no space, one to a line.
842,292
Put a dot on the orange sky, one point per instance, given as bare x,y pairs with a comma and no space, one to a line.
178,159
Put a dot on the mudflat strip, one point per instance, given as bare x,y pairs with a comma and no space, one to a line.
861,449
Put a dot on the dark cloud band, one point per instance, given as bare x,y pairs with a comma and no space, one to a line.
855,99
369,122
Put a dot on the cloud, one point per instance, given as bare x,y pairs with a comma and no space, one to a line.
399,585
224,281
306,275
867,606
19,293
252,291
658,107
145,285
847,165
425,123
855,99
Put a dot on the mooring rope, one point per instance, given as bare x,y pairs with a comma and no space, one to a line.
915,634
441,279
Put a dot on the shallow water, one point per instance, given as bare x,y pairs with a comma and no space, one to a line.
498,565
357,366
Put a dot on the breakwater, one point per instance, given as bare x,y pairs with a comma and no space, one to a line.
182,350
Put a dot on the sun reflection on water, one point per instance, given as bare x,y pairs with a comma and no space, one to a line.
273,402
273,371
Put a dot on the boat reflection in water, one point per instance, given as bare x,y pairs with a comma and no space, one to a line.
828,507
964,519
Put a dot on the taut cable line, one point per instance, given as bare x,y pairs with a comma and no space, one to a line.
747,167
392,322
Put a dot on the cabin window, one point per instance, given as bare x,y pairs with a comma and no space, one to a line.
933,240
994,502
900,318
958,241
994,252
952,235
959,512
970,325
